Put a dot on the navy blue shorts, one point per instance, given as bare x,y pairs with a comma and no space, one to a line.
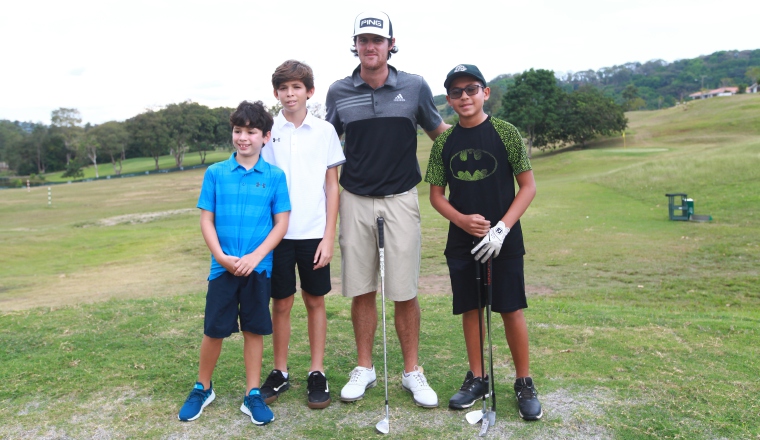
230,297
507,285
292,254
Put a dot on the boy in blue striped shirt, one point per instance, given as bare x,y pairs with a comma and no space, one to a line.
244,214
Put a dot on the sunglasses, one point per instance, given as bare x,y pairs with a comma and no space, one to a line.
471,90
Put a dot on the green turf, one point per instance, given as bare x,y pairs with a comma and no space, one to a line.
640,327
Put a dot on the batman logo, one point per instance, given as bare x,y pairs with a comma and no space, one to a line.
471,165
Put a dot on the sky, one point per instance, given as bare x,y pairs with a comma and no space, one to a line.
113,59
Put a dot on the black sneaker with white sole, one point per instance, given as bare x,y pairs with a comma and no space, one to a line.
527,399
275,385
472,390
318,390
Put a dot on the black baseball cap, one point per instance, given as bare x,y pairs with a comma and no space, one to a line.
464,70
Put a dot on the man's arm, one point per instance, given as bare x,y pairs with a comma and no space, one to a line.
325,249
208,230
245,265
438,130
473,224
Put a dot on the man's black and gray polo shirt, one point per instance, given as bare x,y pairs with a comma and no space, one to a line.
381,130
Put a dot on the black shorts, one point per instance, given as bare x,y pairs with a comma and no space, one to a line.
290,254
230,297
508,285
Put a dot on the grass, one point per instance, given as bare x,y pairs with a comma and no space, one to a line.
139,165
640,327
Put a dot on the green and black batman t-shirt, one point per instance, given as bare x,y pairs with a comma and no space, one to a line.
479,164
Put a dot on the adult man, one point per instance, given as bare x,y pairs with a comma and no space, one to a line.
378,109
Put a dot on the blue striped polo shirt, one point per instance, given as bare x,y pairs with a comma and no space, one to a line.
244,203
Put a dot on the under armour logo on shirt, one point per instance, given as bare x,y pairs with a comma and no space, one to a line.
399,98
261,184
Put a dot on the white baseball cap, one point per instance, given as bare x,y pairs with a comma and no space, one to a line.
373,22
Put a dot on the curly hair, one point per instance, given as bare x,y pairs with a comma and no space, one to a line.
252,115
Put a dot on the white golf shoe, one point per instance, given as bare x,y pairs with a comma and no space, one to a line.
416,384
361,379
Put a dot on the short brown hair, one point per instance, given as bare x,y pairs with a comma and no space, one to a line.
292,70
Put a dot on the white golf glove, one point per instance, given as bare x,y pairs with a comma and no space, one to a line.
491,243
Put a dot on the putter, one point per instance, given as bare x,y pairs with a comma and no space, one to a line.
383,426
474,417
489,419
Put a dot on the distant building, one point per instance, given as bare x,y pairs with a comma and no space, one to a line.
3,166
723,91
753,88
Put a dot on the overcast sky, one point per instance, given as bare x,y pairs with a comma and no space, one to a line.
113,59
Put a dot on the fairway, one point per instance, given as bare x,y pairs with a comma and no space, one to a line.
640,327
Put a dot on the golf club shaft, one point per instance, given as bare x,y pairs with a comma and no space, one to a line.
479,291
381,242
489,284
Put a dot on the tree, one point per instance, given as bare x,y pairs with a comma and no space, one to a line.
189,124
89,145
531,104
113,139
588,113
148,135
11,136
275,109
66,121
753,74
317,110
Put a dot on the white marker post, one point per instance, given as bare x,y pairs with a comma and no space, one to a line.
50,198
28,189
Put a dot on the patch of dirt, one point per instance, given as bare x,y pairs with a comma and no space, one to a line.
141,218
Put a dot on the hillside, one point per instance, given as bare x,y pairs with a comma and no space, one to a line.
660,84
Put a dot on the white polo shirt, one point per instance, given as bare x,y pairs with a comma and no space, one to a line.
305,154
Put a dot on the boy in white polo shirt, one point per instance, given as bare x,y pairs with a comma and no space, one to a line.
308,150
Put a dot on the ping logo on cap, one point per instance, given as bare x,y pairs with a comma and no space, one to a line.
460,68
371,22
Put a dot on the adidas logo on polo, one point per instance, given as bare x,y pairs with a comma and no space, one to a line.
399,98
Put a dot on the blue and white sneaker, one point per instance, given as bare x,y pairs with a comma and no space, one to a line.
196,401
254,406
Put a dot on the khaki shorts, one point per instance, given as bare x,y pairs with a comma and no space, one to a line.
360,259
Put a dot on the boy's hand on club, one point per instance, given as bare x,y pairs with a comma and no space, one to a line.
490,245
475,225
324,254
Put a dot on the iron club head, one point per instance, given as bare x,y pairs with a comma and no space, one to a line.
383,426
474,417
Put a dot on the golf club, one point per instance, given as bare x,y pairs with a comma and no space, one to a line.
474,417
489,419
383,426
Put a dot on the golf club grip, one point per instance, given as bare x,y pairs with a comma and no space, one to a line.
380,223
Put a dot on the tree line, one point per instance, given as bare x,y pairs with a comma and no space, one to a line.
67,145
547,115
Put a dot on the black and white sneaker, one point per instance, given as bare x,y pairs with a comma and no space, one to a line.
318,390
275,385
527,399
472,390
